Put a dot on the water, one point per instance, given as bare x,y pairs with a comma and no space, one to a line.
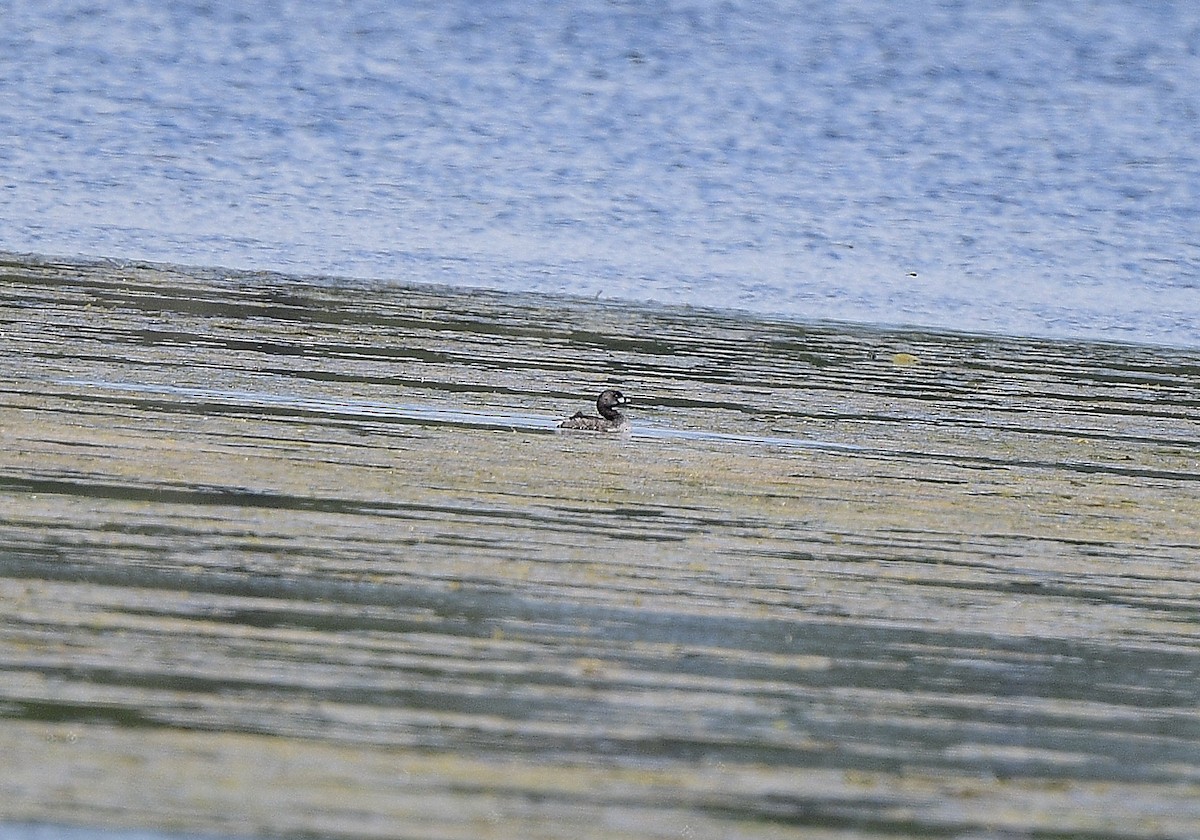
1025,169
284,558
301,554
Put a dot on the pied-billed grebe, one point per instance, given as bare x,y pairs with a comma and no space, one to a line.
610,420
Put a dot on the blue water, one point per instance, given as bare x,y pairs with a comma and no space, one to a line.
1024,168
35,831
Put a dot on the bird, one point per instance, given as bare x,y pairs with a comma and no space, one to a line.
610,420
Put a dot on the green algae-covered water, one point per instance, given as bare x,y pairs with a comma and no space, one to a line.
290,557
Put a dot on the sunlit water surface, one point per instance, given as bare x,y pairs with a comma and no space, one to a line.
289,558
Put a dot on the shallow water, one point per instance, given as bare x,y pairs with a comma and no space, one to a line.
291,558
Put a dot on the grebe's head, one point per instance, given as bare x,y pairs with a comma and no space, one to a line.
611,398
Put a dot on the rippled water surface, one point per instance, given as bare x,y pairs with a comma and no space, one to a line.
283,557
997,166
